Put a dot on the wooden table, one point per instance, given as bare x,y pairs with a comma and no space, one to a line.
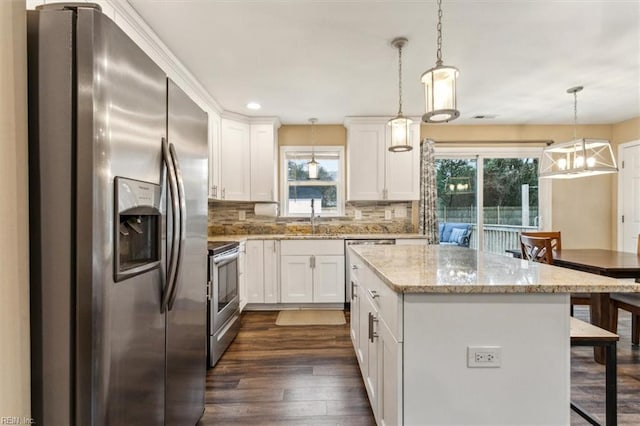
611,263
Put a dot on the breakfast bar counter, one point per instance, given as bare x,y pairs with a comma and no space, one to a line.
451,336
452,269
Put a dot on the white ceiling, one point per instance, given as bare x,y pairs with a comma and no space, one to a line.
331,59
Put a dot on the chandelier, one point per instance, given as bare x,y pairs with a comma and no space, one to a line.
579,157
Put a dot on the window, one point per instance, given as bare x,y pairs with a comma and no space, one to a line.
298,190
497,192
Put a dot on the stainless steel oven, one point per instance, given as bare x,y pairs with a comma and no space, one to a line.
223,306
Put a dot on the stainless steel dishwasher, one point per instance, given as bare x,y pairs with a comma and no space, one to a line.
347,261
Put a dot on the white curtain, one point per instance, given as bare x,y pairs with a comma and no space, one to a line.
428,193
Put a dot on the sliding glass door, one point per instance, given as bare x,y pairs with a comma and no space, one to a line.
497,192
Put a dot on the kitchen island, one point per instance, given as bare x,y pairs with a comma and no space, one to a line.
448,335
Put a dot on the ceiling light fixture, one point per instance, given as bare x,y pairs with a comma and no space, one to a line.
400,124
254,105
440,86
579,157
312,166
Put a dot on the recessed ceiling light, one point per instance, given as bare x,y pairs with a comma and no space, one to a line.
254,105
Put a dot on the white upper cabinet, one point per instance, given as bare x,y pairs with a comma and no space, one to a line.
365,157
247,160
375,173
263,162
235,160
214,155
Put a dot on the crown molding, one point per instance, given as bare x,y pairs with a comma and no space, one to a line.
169,62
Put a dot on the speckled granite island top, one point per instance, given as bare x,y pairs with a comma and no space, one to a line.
449,269
230,237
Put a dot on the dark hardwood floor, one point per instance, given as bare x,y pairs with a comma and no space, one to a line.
272,375
309,375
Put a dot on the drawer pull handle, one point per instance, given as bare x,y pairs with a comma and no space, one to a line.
372,333
374,294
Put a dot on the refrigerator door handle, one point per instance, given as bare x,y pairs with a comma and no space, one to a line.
182,225
173,191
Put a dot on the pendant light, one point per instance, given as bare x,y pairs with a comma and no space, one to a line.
440,86
579,157
312,166
400,125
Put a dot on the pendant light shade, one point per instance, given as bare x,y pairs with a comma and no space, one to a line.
440,94
579,157
312,166
400,125
440,86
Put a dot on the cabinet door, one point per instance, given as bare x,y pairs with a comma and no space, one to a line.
402,170
328,279
254,271
242,283
389,377
263,162
354,323
235,164
363,327
214,156
370,353
271,278
365,157
297,279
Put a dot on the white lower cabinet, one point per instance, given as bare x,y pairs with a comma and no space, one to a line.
378,345
296,279
312,271
242,283
389,376
261,271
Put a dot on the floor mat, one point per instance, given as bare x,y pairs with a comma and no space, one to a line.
310,317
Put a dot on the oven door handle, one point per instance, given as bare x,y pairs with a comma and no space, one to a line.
172,261
220,261
182,225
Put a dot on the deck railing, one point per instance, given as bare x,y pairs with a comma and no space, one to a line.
498,238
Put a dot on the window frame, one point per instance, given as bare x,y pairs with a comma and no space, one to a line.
339,183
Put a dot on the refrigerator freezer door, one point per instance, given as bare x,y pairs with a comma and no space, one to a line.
186,318
98,344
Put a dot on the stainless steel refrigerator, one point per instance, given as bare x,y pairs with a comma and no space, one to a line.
118,219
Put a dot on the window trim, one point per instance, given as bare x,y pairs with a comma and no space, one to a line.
340,183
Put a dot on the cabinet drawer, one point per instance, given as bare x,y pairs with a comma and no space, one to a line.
388,302
312,247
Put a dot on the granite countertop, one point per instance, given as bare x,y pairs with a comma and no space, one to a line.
227,237
451,269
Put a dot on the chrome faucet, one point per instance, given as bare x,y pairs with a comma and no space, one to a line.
313,217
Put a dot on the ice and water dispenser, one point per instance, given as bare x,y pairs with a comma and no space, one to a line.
138,227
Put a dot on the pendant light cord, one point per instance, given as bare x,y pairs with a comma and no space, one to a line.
575,114
439,51
400,77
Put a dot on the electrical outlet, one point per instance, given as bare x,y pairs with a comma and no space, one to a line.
387,214
484,356
400,212
358,215
242,215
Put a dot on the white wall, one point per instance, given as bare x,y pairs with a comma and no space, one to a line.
14,267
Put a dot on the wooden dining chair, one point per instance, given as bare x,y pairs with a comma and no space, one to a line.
556,237
556,244
536,249
629,302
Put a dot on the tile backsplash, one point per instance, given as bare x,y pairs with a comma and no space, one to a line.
224,218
